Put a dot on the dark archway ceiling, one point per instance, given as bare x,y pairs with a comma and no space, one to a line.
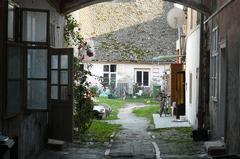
199,5
67,6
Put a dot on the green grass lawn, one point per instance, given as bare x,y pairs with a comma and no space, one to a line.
101,131
115,104
147,112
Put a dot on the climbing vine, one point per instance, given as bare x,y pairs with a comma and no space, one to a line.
83,102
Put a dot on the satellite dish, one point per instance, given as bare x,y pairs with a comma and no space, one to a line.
175,17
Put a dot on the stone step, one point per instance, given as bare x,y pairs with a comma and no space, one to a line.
215,148
55,144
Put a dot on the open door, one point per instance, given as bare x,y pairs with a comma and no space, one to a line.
60,117
180,94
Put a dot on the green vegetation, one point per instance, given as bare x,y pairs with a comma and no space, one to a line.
147,112
101,131
116,104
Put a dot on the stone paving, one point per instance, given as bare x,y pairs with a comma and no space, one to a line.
76,151
176,143
135,141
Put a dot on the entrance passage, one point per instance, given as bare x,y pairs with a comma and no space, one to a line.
60,94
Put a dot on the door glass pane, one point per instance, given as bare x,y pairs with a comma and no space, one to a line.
145,78
64,92
64,61
14,97
54,62
37,63
54,92
37,94
64,77
54,77
11,22
139,78
14,62
34,26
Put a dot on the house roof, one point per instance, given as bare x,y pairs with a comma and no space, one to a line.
133,62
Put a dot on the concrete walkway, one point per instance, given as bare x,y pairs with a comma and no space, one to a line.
168,122
134,141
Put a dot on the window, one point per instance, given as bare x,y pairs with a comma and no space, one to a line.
191,18
52,35
11,20
214,65
35,24
37,79
156,74
59,77
34,31
190,88
142,78
109,75
26,89
14,85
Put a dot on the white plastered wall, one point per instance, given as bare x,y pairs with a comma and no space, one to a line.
192,67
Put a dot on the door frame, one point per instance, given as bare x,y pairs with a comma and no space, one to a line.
222,109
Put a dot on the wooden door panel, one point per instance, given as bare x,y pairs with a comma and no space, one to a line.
180,85
60,94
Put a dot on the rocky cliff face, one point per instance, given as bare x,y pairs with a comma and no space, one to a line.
128,29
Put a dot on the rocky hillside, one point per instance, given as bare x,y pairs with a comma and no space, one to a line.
128,29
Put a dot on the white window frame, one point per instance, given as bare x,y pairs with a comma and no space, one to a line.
142,70
214,72
110,73
190,87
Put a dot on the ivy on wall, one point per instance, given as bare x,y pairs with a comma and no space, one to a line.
83,94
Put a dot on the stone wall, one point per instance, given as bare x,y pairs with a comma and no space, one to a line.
128,30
